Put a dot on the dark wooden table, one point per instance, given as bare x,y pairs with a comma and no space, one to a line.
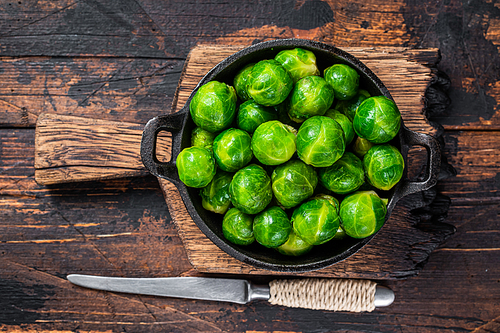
121,60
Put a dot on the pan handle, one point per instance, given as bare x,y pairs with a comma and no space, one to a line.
433,162
172,123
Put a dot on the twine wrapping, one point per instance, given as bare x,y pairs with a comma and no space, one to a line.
324,294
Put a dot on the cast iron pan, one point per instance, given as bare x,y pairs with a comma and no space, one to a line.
181,125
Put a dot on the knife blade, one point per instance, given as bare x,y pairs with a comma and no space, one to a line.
201,288
210,289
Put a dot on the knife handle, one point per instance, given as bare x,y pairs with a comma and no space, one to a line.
329,294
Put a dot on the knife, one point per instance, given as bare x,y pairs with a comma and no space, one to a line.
322,294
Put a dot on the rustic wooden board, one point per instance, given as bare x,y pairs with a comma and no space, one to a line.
407,74
72,149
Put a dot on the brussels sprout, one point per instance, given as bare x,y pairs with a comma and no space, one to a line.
196,166
344,80
344,122
272,227
349,107
344,176
298,62
215,196
335,203
232,149
273,142
250,190
237,227
240,82
202,138
213,107
251,115
269,83
294,246
316,221
320,141
311,96
362,214
293,182
377,119
384,166
361,147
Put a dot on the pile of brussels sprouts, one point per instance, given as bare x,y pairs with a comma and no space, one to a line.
292,159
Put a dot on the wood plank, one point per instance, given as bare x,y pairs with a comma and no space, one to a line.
80,149
373,22
106,28
492,326
72,28
45,301
475,157
469,58
86,309
117,89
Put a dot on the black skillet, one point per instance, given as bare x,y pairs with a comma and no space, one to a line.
181,125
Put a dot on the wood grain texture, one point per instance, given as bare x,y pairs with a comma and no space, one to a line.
72,149
458,288
115,227
492,326
468,39
477,166
117,89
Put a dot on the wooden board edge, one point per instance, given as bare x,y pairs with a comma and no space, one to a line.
54,176
46,118
174,106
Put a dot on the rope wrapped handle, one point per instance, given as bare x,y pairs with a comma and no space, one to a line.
324,294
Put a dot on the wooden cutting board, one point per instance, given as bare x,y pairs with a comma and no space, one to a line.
79,149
